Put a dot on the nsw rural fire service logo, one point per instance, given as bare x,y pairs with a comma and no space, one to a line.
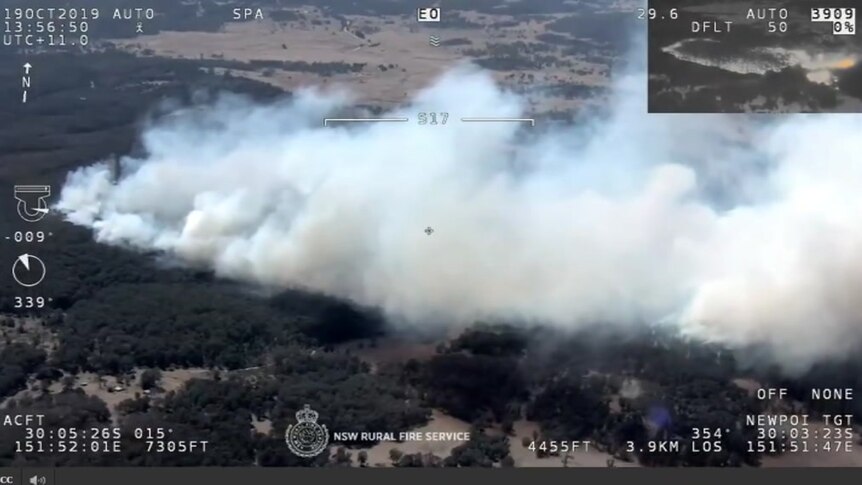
306,438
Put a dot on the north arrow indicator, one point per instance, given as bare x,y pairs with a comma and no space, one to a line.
28,270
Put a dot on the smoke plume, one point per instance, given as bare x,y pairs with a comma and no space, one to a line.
732,230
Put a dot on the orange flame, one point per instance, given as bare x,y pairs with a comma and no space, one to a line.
845,63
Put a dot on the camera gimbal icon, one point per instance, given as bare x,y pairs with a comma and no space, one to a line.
32,203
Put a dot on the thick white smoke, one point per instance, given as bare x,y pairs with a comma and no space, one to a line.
735,231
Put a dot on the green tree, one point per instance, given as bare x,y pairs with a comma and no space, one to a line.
150,379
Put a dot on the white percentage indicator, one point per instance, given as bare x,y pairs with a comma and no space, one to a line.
843,20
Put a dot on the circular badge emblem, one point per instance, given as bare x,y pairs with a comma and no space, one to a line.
306,438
